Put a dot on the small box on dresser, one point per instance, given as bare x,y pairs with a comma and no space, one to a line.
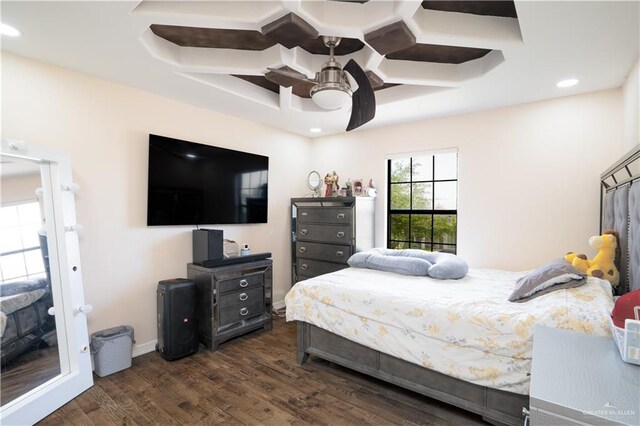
233,299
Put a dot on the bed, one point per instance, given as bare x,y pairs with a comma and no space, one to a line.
23,316
460,341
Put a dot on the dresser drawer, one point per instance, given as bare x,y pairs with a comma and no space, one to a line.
242,311
324,233
241,297
312,268
326,252
240,283
334,215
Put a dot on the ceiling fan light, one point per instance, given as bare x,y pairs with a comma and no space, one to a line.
331,98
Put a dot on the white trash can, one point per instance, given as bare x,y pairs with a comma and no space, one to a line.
112,349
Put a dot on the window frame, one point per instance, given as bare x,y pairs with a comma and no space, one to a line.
433,212
24,250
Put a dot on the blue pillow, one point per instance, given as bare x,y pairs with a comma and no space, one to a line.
399,265
442,266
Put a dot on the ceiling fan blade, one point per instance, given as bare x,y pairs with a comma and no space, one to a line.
364,100
286,77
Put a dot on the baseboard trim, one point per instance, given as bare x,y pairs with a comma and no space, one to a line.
144,348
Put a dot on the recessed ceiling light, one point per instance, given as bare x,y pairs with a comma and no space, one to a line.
567,83
315,130
8,30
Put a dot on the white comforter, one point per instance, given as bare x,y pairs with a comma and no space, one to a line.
463,328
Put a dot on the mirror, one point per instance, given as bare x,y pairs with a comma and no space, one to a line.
314,183
28,338
44,342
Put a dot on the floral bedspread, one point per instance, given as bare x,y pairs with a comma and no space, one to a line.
463,328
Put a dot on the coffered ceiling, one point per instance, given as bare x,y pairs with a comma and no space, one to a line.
423,58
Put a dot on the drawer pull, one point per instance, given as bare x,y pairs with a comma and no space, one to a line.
244,283
339,253
340,216
340,234
244,311
303,232
304,266
244,296
302,249
305,214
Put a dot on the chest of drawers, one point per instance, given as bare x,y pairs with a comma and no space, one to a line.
233,300
325,232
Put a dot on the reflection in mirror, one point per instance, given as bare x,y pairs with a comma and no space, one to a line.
28,340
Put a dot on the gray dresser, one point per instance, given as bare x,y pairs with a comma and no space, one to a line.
325,232
579,379
233,300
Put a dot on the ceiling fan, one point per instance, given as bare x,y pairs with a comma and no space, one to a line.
333,89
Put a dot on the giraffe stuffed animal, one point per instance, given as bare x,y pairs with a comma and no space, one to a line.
603,263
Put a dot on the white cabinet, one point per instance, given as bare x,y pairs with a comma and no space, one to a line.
581,379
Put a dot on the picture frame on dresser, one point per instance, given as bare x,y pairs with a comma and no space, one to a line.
358,187
326,231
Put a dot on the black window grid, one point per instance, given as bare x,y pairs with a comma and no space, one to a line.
433,213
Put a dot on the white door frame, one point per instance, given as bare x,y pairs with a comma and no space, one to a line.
66,285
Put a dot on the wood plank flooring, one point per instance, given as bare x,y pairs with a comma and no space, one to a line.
27,372
250,380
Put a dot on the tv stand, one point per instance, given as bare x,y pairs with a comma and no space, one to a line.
234,298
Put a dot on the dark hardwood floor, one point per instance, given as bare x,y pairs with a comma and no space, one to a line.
250,380
27,372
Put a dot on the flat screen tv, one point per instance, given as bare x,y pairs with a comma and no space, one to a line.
196,184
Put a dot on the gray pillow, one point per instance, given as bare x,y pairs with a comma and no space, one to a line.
25,286
555,275
398,264
447,266
444,266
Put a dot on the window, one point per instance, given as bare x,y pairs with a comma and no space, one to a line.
422,205
20,255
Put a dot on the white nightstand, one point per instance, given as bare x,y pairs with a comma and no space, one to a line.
579,379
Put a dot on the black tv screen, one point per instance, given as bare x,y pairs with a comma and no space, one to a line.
196,184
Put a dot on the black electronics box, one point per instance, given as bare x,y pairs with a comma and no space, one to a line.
207,245
178,325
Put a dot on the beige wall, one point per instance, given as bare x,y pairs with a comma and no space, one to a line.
16,189
105,129
631,109
528,175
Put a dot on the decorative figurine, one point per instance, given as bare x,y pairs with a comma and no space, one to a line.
336,185
328,181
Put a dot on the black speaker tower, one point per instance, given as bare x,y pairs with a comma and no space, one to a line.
177,318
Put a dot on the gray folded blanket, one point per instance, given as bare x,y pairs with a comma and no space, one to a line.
441,266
